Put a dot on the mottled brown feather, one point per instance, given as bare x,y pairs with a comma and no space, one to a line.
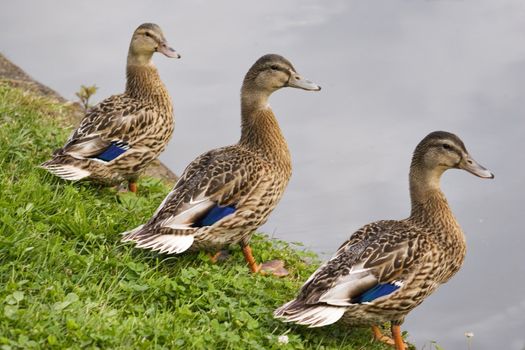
419,253
142,117
250,175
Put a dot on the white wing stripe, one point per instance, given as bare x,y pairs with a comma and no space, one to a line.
186,217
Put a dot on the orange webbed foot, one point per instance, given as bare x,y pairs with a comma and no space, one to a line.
273,267
396,341
132,186
221,255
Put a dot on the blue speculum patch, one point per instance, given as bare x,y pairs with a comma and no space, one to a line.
113,151
215,214
376,292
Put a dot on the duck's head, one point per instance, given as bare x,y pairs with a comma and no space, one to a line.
148,39
441,150
272,72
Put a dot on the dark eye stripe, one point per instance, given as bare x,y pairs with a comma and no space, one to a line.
448,147
279,68
152,36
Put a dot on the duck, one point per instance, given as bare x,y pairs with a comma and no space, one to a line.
225,194
387,268
121,135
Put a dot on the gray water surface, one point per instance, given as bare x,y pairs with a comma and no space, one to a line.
391,72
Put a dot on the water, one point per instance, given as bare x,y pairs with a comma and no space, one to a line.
391,72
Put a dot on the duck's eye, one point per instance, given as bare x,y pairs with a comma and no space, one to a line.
446,146
148,34
274,67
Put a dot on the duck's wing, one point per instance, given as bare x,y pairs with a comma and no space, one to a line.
219,178
109,129
376,254
367,267
212,188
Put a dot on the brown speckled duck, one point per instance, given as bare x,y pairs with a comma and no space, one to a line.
389,267
121,135
225,194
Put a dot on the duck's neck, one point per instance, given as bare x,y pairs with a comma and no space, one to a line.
429,205
260,131
431,213
143,82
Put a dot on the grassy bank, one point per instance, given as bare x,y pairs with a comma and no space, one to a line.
67,281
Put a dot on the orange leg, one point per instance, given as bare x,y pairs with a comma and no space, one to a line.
398,339
379,336
132,186
273,267
248,256
214,257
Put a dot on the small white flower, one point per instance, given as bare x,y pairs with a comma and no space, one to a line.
469,334
282,339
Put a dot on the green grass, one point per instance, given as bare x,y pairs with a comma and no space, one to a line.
68,282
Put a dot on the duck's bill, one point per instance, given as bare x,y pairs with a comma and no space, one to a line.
167,51
475,168
300,82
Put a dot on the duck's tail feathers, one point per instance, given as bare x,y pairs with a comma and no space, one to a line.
132,234
65,171
163,243
297,311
